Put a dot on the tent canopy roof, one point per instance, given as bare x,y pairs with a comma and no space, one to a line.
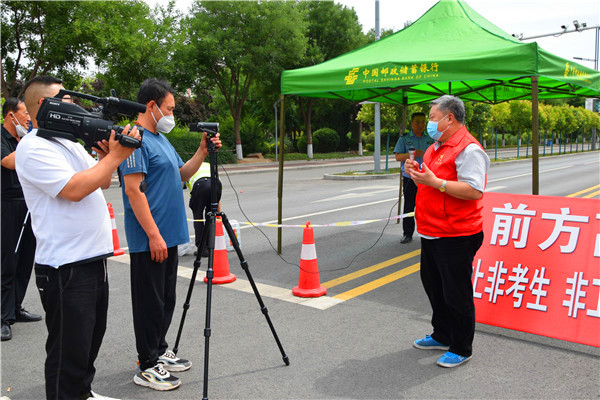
451,49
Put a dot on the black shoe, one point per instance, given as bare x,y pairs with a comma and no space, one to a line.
6,332
26,316
406,239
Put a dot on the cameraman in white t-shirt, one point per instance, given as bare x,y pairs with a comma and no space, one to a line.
62,188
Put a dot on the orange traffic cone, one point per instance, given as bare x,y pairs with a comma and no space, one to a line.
308,281
117,250
220,260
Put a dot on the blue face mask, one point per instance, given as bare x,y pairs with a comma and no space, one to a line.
432,129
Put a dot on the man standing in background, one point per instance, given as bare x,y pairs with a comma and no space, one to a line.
420,143
17,262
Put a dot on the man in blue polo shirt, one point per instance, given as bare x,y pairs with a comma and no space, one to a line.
414,139
155,223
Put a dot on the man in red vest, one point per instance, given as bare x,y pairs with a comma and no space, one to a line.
449,220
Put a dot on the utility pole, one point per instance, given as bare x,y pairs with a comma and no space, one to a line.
377,114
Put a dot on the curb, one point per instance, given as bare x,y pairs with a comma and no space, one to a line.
359,177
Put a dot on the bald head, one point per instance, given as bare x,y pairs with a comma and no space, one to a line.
36,90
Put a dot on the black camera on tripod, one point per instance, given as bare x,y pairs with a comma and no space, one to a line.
211,128
70,121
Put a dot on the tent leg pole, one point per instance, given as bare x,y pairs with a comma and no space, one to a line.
280,179
535,168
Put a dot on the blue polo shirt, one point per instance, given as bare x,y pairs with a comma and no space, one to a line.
160,162
411,140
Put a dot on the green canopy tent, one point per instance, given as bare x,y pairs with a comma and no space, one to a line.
451,49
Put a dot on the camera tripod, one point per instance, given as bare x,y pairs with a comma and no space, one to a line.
208,240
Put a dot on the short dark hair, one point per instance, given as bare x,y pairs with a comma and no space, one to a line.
10,105
154,89
416,114
45,80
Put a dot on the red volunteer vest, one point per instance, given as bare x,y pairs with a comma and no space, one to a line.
439,214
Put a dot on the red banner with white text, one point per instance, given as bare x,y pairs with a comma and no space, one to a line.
538,269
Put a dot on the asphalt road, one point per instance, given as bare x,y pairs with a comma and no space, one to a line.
358,348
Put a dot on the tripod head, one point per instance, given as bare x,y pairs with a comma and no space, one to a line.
211,129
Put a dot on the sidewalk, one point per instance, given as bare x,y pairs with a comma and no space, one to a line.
249,165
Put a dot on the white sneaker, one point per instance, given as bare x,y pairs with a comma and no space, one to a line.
171,362
100,397
156,378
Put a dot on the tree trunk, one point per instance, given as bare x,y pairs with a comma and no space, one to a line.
306,115
238,139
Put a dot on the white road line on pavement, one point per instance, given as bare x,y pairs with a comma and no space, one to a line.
242,285
274,292
527,174
326,211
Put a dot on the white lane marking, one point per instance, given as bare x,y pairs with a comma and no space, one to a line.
527,174
242,285
326,211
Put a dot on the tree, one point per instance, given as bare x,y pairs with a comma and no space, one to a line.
500,116
62,37
479,119
138,45
333,30
234,43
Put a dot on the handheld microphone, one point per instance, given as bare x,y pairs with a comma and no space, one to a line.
411,153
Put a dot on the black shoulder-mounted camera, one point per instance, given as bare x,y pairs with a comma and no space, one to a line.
67,120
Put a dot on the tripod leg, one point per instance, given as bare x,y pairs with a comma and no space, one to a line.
186,304
246,269
210,227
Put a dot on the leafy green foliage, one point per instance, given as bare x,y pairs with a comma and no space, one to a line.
327,140
61,37
186,143
232,43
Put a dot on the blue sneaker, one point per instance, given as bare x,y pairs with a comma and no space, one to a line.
429,343
451,360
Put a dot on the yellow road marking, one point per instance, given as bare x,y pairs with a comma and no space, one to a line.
368,270
596,193
584,191
378,283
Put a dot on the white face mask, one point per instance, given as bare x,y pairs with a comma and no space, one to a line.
21,130
164,124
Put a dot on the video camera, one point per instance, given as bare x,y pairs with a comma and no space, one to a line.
70,121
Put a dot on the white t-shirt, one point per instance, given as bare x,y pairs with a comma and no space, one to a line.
65,231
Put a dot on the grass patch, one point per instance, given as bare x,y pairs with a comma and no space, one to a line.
354,173
319,156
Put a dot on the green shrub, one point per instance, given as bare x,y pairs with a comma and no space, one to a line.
288,146
327,140
370,147
303,141
344,143
352,144
186,143
369,138
254,139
